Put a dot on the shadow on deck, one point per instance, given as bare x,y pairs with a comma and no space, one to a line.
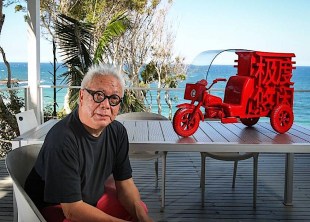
222,203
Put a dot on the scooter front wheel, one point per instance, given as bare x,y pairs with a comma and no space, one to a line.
185,122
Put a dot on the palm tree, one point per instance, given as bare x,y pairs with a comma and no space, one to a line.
75,42
80,50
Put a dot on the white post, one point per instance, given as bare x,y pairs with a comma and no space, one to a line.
33,32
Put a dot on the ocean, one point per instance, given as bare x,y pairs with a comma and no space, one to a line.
301,79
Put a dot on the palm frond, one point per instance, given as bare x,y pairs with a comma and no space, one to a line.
75,41
115,28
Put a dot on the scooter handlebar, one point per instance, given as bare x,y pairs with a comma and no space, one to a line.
219,80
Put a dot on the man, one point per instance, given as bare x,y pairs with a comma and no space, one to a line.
79,154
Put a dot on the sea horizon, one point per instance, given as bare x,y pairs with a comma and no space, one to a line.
18,69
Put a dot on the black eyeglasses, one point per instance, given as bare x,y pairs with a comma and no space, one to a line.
99,96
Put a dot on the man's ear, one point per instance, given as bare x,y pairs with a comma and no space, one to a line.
81,96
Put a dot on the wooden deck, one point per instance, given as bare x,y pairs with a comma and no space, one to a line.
222,203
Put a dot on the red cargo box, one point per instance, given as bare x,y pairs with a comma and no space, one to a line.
194,91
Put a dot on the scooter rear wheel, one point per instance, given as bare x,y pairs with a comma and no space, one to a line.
249,121
282,118
185,122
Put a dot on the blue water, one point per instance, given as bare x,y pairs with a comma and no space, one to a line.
20,71
301,79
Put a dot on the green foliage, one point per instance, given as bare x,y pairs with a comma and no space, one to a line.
19,8
15,103
115,28
93,13
61,114
8,125
149,73
48,112
135,5
131,103
168,74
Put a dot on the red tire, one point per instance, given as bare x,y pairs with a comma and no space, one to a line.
185,122
249,121
282,118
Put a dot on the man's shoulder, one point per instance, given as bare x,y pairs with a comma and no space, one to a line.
117,129
64,127
117,125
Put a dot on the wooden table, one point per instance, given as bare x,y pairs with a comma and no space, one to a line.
158,135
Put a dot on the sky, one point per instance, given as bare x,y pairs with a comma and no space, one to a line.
201,25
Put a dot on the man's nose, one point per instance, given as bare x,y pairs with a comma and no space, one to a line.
105,103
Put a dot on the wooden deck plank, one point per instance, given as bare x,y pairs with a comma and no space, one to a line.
222,203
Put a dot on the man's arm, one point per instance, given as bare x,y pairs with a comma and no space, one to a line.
81,211
129,196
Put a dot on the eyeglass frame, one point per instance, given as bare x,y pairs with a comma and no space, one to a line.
101,93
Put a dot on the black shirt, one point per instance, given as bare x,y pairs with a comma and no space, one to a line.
73,165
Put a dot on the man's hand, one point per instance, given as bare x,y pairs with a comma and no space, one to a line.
129,196
141,213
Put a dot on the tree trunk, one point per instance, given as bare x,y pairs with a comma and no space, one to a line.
7,64
54,81
6,115
2,16
168,101
158,97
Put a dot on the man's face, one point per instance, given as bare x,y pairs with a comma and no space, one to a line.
96,116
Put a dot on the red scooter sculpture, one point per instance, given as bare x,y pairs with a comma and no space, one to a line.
261,88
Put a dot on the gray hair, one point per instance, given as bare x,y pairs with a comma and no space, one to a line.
102,70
